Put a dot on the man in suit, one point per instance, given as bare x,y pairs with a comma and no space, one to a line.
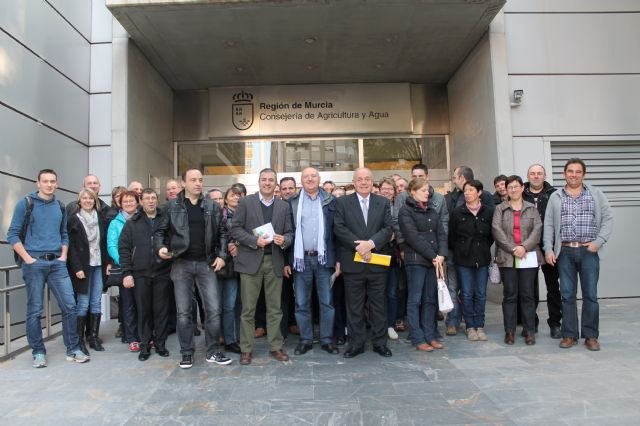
260,261
362,224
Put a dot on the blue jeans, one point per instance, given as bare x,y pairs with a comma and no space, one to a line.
90,301
55,274
574,262
473,285
228,289
453,317
392,295
304,285
185,274
422,303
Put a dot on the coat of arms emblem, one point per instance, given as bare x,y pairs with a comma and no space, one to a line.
242,110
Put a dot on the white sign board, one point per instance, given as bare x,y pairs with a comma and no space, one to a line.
310,110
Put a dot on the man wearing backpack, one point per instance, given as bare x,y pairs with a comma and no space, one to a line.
38,235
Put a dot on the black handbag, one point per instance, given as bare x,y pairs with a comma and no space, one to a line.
227,272
115,277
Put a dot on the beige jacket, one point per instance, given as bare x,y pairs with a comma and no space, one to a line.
502,229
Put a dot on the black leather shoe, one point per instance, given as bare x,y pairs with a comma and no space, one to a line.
340,341
302,348
555,332
382,351
352,352
144,355
162,351
330,348
233,348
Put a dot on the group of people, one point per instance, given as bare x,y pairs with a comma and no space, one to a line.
251,263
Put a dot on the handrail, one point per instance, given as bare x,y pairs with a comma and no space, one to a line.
5,293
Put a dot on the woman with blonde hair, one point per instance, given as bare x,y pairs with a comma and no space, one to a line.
87,262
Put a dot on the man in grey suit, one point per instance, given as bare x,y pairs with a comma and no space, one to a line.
362,224
260,260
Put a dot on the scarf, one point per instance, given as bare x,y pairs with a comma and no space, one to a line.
298,262
474,210
89,221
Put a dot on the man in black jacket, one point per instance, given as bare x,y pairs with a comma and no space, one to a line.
146,274
363,225
193,235
537,191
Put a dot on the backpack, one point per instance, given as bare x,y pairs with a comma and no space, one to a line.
27,220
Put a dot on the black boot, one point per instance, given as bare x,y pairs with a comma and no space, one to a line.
94,342
87,332
80,328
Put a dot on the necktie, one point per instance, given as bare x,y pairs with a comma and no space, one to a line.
365,209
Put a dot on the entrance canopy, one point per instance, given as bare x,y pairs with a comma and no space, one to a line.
213,43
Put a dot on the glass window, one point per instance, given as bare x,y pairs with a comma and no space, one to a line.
220,158
325,155
403,153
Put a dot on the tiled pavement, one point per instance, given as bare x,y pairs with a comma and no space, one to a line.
466,383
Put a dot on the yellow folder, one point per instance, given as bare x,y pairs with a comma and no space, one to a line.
376,259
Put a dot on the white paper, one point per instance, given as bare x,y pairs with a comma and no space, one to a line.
530,260
266,231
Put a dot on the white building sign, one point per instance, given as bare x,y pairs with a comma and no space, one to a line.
310,110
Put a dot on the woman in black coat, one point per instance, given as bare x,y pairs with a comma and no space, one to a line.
87,260
471,241
424,246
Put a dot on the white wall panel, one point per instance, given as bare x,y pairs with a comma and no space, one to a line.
572,6
33,87
29,147
527,151
78,12
101,22
101,68
472,114
100,119
573,43
100,165
149,120
559,105
60,45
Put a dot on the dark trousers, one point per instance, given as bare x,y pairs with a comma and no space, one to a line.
519,287
288,304
152,302
554,300
371,286
129,314
340,319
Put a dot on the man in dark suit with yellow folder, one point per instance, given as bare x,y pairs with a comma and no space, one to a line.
362,225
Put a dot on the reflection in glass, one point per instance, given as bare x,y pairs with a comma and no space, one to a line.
220,158
325,155
403,153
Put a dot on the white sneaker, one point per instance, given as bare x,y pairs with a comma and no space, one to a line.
39,360
78,356
392,333
472,334
481,335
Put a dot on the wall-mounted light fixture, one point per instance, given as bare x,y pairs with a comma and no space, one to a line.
516,101
517,96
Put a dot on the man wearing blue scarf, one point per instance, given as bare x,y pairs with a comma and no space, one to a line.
313,257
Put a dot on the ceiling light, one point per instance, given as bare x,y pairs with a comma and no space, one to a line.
239,69
310,40
310,67
379,66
